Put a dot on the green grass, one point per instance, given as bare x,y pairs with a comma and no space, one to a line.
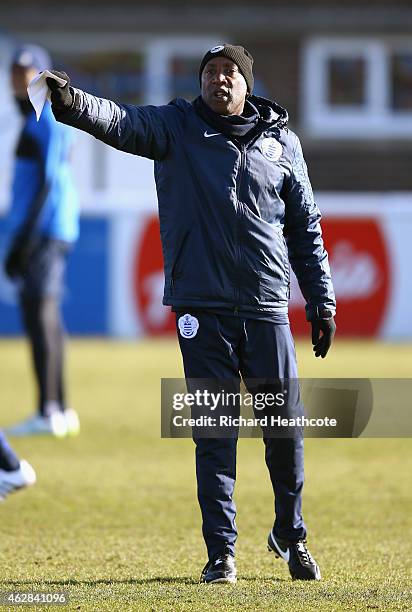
113,519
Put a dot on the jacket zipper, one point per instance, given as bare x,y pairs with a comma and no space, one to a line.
237,227
177,257
286,262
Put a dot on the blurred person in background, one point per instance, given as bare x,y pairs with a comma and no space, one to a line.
15,473
235,206
43,223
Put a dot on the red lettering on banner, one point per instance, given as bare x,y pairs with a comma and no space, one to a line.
149,281
360,270
361,276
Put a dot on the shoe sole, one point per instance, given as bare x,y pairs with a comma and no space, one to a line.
272,551
221,581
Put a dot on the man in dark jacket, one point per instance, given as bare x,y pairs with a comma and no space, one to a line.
235,207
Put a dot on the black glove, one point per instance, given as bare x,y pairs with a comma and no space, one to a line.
325,324
61,97
16,259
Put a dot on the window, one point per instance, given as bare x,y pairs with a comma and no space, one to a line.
173,65
401,81
357,88
346,81
117,75
185,79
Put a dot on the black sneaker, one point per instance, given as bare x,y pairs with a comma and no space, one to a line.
219,569
302,566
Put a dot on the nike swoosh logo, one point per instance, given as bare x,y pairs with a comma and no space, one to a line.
206,135
283,554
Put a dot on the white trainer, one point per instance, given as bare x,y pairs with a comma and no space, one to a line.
25,476
72,422
54,425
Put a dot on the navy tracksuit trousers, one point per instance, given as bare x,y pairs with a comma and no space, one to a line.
230,347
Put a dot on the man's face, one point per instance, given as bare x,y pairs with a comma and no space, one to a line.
224,87
20,79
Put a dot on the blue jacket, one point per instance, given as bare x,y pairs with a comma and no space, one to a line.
231,217
42,182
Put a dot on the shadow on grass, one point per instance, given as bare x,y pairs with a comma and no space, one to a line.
74,582
131,581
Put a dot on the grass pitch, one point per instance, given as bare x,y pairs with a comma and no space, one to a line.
114,521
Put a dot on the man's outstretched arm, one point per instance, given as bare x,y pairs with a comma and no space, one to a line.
140,130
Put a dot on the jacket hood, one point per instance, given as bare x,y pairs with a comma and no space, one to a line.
270,112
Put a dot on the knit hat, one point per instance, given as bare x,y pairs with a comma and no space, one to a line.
239,55
32,56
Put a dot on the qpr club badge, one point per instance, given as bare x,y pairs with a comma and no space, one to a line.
271,149
188,326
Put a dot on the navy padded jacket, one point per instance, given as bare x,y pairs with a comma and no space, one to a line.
232,217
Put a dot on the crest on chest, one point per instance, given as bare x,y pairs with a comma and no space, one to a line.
271,149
